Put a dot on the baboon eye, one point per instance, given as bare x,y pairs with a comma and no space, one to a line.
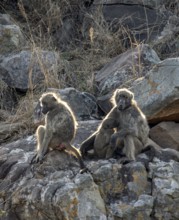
122,96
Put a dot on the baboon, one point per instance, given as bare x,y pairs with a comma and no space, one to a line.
59,129
127,124
131,124
99,141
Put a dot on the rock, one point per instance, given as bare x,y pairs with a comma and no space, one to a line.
166,135
55,189
124,69
15,70
7,130
165,190
85,129
11,37
152,4
142,23
159,98
120,183
8,96
50,187
140,209
167,44
5,19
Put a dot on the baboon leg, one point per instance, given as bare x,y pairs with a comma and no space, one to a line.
110,152
139,146
75,152
129,147
43,140
40,136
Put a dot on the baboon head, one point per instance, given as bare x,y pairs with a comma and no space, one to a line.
48,102
123,98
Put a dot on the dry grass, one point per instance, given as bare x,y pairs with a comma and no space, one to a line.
23,116
97,44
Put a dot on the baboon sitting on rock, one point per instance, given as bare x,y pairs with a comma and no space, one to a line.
125,129
59,128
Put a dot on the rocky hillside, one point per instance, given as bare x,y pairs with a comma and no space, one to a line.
84,50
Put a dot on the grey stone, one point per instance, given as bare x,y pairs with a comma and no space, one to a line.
166,135
151,3
158,93
25,70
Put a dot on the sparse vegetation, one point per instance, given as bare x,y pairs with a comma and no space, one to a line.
91,45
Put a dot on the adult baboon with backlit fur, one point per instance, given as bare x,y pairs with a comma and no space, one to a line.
59,128
130,124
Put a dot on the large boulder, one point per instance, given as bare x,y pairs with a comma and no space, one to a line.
28,69
158,94
125,68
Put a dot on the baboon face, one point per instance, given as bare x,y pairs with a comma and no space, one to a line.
47,103
123,98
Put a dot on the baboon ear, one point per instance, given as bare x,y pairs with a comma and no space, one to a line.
132,95
53,99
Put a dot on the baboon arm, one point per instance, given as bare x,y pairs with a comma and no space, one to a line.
126,131
45,143
109,123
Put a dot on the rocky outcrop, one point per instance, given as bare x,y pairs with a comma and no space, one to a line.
157,93
54,189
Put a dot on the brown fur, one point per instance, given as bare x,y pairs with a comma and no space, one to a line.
131,124
125,128
99,141
59,128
